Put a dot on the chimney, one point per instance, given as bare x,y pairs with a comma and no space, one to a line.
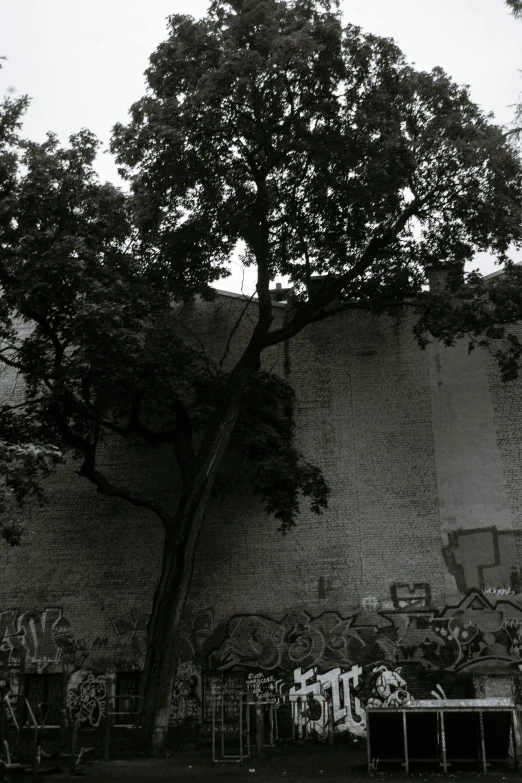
280,294
437,278
439,275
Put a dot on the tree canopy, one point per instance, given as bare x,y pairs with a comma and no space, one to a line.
235,141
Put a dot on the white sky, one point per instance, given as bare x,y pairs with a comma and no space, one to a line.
82,61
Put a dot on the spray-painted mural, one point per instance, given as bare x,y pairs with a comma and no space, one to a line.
327,665
264,687
186,704
411,596
322,699
459,637
263,643
36,637
331,667
186,694
389,688
129,651
482,558
86,698
334,702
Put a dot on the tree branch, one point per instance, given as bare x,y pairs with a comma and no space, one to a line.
105,487
315,309
294,326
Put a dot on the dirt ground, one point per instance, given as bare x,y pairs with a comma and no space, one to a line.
295,764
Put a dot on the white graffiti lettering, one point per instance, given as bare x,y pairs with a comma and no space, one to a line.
334,687
33,635
264,687
86,698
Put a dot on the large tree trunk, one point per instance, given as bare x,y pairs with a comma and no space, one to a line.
177,567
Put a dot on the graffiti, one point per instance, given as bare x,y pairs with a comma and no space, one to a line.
9,682
337,700
120,662
186,695
410,596
499,591
482,558
464,636
86,698
317,696
63,633
194,633
75,652
370,603
457,638
132,633
32,636
100,641
264,687
259,642
389,689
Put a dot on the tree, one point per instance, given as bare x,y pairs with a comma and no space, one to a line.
318,150
515,6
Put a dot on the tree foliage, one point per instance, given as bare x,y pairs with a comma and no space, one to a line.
515,6
319,148
23,464
101,350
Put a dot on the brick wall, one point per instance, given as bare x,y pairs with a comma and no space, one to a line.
399,572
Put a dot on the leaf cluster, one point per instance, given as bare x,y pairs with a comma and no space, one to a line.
265,436
515,6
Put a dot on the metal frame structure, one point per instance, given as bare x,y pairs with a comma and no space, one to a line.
245,702
440,708
112,712
219,727
137,700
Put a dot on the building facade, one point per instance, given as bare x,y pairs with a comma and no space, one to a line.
408,586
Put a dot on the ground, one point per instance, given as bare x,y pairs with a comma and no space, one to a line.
295,764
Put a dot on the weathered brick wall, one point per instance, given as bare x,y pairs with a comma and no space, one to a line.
364,417
507,402
403,570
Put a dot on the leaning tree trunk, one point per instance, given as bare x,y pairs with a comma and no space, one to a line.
178,563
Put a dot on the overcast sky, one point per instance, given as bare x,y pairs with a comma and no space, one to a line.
82,61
